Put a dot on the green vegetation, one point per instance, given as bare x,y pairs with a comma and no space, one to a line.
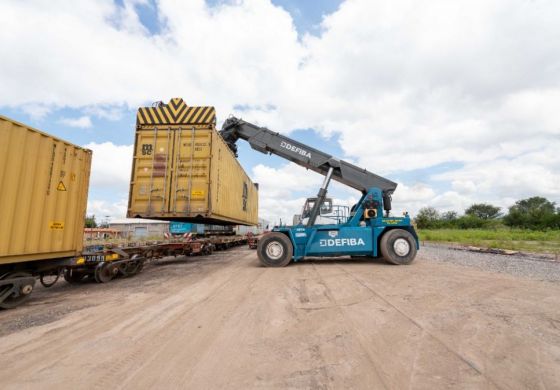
90,221
531,224
533,213
503,238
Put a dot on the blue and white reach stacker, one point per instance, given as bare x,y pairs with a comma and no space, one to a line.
366,230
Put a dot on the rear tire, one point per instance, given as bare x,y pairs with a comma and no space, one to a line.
275,250
398,247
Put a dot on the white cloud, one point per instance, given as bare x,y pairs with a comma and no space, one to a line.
111,113
111,166
82,122
407,85
279,188
36,110
412,198
105,210
464,186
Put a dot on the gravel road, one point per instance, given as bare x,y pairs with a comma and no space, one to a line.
534,266
223,321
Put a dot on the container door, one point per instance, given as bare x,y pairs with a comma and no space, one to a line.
191,171
152,172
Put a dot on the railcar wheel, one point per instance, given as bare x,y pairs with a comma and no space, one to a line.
398,246
131,267
17,296
104,272
275,250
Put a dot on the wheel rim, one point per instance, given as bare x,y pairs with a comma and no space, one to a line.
274,250
105,272
401,247
16,298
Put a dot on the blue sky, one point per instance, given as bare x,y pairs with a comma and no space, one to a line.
307,16
415,92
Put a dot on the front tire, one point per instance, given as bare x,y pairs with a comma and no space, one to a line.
398,247
275,250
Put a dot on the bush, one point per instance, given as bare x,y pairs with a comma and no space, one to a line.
427,218
471,222
533,213
483,211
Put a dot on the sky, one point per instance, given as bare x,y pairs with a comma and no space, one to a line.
456,101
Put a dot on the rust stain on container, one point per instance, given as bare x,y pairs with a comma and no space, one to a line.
43,194
184,171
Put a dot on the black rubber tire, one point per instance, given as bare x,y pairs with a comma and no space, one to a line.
388,249
269,240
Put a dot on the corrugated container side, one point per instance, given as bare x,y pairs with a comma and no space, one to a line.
43,194
234,194
184,171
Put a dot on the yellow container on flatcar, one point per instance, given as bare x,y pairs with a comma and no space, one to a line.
43,194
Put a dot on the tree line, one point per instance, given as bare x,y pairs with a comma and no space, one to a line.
535,213
91,222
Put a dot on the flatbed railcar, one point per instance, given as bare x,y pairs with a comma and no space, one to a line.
104,263
110,262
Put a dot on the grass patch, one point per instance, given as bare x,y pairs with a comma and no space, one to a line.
514,239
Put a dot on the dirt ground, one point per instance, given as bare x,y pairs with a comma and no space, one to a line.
223,321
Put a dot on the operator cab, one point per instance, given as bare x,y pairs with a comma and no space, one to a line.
328,213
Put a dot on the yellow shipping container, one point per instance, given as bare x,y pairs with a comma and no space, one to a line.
43,194
184,171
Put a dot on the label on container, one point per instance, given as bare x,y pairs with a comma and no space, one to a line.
61,186
55,225
197,193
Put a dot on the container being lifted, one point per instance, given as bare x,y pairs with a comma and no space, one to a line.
184,171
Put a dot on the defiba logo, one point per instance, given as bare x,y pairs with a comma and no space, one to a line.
342,242
333,233
295,149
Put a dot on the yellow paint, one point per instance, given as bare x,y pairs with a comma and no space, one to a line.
111,257
176,112
189,172
43,223
56,225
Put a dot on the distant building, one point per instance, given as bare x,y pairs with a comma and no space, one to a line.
243,230
100,233
133,228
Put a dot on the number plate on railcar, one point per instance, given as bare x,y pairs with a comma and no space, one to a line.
94,258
